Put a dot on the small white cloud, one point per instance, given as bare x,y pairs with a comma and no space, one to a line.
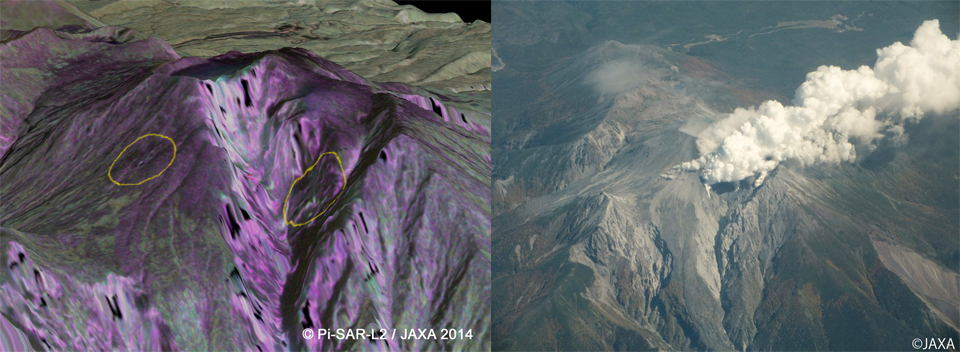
619,76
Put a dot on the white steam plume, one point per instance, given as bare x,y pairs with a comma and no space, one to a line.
835,108
620,76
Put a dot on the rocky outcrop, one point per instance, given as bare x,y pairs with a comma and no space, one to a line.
938,287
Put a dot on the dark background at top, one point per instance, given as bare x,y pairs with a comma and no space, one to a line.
468,11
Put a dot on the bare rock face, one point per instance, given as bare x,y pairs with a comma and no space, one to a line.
158,202
934,284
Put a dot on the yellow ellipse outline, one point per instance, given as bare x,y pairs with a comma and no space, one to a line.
135,142
344,173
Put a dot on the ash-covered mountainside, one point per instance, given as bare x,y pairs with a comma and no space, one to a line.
153,202
594,250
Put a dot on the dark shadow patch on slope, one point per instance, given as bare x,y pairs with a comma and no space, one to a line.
725,187
246,93
233,226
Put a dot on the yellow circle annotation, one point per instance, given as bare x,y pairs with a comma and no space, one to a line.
135,142
290,222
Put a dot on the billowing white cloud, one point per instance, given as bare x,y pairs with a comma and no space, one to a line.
834,110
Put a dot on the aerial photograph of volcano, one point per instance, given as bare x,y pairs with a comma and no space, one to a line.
200,175
725,175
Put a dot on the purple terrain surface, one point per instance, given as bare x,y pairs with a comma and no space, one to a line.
200,258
